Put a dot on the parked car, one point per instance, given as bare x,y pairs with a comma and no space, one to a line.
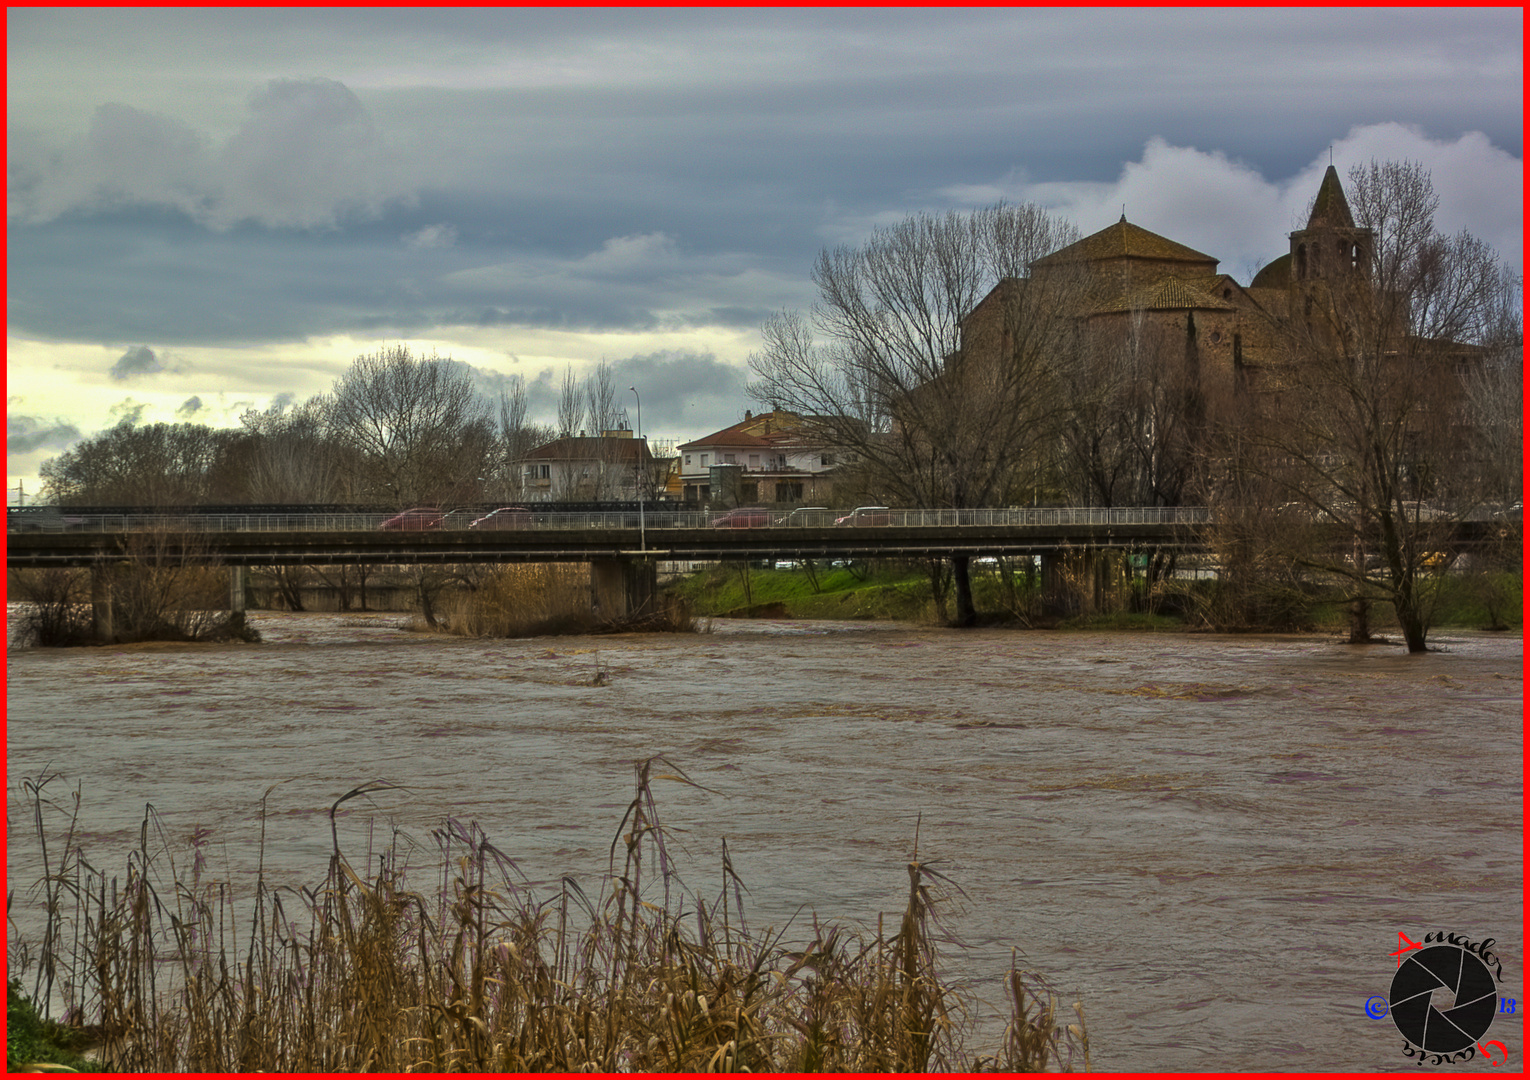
806,515
866,515
506,517
745,517
417,519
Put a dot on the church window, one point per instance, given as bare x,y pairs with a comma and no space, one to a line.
1301,262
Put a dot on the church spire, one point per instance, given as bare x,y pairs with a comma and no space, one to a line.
1330,210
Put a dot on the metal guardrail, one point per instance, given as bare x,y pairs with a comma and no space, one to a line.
627,519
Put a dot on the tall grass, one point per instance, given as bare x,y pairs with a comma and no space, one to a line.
549,598
368,971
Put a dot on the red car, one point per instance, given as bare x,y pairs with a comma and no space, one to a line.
745,517
506,517
416,520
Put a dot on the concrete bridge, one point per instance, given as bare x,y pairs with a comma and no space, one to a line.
622,548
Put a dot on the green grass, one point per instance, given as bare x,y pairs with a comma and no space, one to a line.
32,1040
901,592
886,591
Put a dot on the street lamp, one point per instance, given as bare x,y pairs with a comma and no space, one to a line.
638,469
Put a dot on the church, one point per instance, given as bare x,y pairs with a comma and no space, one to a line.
1125,277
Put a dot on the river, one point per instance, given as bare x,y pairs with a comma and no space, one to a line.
1212,841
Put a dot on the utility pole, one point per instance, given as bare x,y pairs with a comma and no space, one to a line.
642,537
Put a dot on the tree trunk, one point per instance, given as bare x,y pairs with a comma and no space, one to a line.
961,573
1412,623
1359,621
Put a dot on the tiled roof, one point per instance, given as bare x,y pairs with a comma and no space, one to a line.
766,429
1331,209
1166,293
727,437
591,448
1123,240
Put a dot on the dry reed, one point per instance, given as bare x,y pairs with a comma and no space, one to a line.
550,598
366,973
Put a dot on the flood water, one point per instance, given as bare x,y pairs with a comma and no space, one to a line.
1211,841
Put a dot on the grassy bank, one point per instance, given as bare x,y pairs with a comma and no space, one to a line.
904,592
385,966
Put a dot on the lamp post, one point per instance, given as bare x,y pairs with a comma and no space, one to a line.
642,537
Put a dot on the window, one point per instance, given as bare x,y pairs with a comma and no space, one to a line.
730,459
687,459
546,471
828,459
704,460
754,461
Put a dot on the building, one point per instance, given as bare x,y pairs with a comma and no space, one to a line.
764,458
1126,280
609,466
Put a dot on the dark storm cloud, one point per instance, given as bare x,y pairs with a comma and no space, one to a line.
29,434
306,156
139,360
536,181
189,408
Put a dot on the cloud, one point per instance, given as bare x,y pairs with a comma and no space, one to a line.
128,411
629,254
1229,210
189,408
28,434
432,236
306,156
138,360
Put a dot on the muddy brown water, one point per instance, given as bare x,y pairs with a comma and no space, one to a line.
1212,841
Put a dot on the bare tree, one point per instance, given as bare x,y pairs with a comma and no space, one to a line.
518,436
1134,420
286,455
601,404
570,406
1495,395
1370,421
930,357
422,432
132,465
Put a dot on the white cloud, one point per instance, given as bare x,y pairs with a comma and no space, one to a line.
625,254
432,236
1228,210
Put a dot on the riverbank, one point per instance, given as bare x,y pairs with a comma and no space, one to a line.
888,591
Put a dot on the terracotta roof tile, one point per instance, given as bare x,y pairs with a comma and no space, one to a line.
1124,240
1164,294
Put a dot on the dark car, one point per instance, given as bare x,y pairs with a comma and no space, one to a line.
417,519
506,517
745,517
866,515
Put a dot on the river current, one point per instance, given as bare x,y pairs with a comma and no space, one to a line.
1213,842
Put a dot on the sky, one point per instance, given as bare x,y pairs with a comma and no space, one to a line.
211,211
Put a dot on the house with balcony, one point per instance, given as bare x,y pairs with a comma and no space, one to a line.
765,458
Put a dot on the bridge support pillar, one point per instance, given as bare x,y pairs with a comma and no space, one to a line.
102,603
236,589
621,587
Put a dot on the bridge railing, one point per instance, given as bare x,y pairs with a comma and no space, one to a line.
629,519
